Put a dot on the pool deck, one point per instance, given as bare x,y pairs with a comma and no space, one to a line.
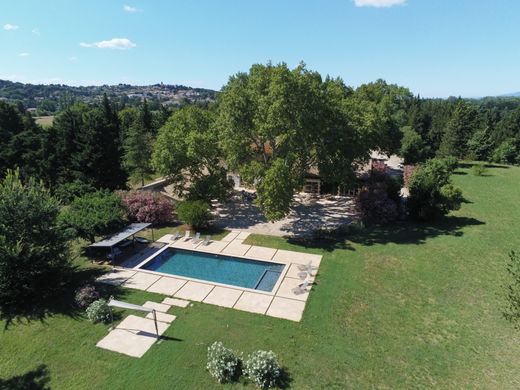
282,302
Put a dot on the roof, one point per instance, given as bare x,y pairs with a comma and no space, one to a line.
115,239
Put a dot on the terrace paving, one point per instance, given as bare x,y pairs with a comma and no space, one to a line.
162,307
141,281
253,302
194,291
166,285
223,296
281,302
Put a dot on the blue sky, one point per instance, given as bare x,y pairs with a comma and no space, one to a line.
437,48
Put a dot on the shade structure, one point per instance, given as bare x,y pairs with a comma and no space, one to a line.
130,230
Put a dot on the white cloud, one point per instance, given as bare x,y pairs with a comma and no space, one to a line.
379,3
10,27
114,43
35,31
129,8
24,54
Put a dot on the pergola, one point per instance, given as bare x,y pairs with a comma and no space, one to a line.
111,241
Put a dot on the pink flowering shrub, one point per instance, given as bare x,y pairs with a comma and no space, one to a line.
147,206
408,172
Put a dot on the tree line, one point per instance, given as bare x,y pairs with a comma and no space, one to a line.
271,125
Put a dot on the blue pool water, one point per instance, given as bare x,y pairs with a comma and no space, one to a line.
254,274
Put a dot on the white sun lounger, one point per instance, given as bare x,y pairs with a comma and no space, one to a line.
206,240
302,288
196,239
187,235
176,236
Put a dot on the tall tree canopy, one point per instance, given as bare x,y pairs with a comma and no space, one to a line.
33,247
187,153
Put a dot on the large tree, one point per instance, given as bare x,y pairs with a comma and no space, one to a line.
187,153
33,247
275,122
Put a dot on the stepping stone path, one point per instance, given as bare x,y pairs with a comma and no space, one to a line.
176,302
135,335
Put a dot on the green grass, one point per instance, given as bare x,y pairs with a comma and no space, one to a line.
403,307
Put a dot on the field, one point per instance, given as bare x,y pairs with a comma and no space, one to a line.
44,121
402,307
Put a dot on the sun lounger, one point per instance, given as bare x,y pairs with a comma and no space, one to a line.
206,240
176,236
306,268
187,235
196,239
302,288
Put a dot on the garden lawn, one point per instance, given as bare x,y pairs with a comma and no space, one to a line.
401,307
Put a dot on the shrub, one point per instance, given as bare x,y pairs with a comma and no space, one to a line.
99,311
379,199
263,369
478,169
194,213
94,214
147,206
223,365
85,296
506,152
431,192
67,192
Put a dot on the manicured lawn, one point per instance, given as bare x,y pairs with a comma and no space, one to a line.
402,307
44,121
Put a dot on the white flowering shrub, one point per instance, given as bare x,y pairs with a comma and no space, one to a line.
99,311
223,364
263,369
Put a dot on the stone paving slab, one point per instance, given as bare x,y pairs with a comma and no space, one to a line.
230,236
163,317
166,286
261,252
288,309
188,244
133,336
194,291
141,281
176,302
213,246
297,257
295,273
243,235
236,249
253,302
167,239
162,307
286,289
223,296
116,277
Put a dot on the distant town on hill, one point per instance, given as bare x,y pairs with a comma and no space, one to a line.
46,98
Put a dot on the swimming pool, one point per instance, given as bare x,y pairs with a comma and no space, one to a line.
253,274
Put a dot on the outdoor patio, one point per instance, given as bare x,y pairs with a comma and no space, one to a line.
282,302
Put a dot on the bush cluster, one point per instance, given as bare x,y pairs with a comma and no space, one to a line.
85,296
222,365
195,213
99,311
147,207
261,367
379,199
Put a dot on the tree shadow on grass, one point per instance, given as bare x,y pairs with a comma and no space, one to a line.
36,379
52,301
414,232
404,232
